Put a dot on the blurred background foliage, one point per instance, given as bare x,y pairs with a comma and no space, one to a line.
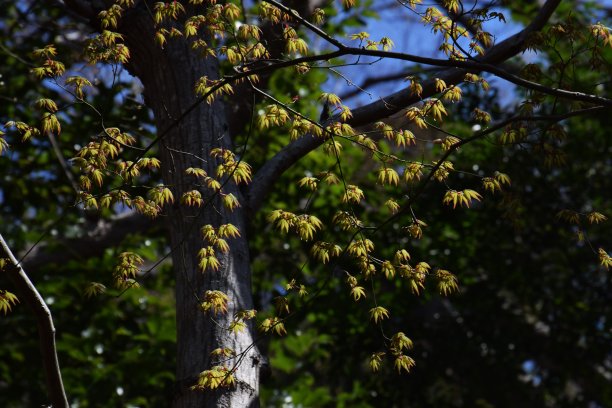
529,327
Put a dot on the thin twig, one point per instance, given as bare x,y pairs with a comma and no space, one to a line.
63,163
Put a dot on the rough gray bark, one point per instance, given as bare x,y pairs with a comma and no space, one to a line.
169,76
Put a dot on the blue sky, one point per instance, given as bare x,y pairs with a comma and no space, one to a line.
411,36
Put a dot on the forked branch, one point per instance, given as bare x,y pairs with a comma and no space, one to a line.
286,157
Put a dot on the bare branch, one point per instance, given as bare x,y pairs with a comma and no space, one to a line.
376,80
62,161
81,9
44,320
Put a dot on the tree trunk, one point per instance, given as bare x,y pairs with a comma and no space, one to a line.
169,76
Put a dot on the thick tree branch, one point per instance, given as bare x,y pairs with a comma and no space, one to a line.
94,243
46,331
489,64
397,101
269,173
